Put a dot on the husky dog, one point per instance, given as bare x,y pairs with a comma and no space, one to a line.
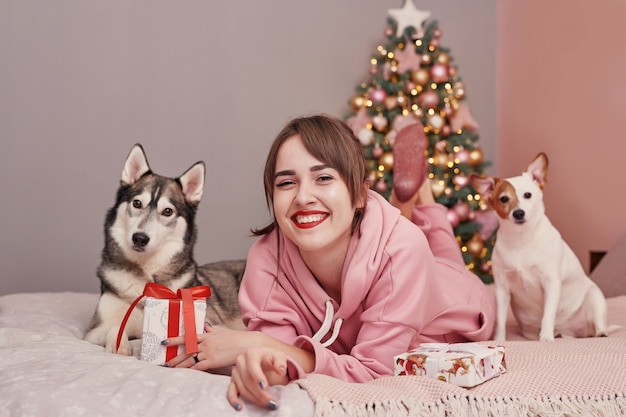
149,237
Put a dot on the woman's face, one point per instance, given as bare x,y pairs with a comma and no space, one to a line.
311,201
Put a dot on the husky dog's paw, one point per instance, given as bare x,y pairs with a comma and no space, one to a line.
111,341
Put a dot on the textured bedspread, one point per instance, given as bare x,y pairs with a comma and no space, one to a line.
46,369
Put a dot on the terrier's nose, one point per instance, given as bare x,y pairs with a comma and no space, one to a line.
518,214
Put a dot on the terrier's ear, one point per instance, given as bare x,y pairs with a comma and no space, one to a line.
538,170
136,165
192,182
483,185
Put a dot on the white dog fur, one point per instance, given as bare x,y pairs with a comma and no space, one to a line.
535,272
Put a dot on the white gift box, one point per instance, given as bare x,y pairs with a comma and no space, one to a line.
155,327
461,364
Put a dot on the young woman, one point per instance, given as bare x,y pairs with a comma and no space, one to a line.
340,281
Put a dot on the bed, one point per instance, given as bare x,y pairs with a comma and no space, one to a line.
47,369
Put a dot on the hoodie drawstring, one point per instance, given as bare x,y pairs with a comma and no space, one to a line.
323,330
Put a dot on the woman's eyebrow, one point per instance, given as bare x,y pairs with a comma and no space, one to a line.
318,167
314,168
285,172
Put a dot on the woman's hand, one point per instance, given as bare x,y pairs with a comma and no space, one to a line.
217,348
255,370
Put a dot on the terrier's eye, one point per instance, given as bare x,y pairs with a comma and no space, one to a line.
527,195
504,199
167,212
137,204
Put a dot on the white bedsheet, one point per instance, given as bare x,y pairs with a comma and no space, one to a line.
46,369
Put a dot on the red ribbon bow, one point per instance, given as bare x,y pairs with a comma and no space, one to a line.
187,295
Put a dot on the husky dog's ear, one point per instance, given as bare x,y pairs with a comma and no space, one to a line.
136,165
538,170
483,185
192,182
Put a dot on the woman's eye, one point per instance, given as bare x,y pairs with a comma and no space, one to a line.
137,204
284,183
324,178
167,212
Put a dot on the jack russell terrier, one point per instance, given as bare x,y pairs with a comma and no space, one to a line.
535,271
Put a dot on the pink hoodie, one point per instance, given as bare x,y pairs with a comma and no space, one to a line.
395,294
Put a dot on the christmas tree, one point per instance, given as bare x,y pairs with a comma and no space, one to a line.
413,79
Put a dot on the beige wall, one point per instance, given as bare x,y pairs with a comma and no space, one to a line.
561,89
82,81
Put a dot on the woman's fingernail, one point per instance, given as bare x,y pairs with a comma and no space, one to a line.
237,406
208,323
166,365
165,342
262,384
272,405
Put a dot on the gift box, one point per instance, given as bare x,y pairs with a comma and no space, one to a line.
163,319
169,314
461,364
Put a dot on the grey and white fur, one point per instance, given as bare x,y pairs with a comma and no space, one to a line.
150,234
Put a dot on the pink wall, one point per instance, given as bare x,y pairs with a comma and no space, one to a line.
561,90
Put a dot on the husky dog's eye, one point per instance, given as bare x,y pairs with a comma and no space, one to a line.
167,212
137,204
504,199
527,195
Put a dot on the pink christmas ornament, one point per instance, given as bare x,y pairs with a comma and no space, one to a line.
381,186
429,99
453,217
462,156
380,123
408,59
377,152
359,121
439,73
460,180
462,209
378,95
488,221
462,119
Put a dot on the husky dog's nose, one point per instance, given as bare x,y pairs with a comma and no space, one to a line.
140,239
518,214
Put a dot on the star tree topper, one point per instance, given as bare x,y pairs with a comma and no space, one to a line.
407,16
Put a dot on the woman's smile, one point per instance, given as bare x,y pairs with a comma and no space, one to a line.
308,219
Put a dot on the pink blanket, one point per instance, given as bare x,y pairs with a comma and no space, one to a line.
567,377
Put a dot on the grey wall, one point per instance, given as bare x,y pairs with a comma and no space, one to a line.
81,82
